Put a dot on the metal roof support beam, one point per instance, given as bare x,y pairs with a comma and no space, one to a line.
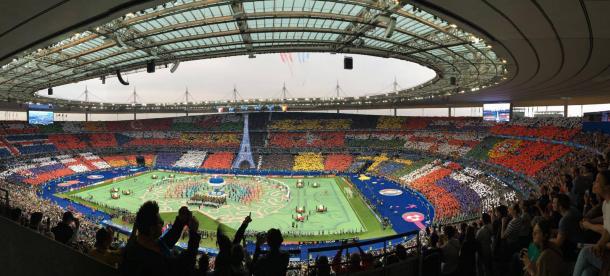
240,19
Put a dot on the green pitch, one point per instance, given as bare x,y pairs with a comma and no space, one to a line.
274,207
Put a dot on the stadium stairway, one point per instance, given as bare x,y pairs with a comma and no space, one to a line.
29,253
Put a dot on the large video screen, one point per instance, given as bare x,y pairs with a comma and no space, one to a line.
40,114
37,117
497,112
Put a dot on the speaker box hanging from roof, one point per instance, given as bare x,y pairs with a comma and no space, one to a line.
348,63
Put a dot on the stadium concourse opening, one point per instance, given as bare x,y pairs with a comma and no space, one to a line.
254,163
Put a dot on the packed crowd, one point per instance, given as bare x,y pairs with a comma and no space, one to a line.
219,160
308,161
565,210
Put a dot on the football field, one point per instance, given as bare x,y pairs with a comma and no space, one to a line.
273,203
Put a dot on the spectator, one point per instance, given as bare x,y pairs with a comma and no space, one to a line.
484,238
581,182
450,252
203,266
589,259
432,256
401,251
35,221
568,232
353,263
467,259
512,228
65,231
102,252
499,245
549,262
238,256
275,262
225,259
147,253
16,215
322,267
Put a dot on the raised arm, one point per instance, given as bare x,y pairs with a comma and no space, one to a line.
173,234
239,235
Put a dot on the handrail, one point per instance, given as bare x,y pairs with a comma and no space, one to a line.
363,243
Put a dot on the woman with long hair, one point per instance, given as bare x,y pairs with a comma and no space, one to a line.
550,261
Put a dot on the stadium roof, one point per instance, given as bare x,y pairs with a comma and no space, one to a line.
188,30
555,51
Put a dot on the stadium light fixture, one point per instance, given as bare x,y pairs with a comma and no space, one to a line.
174,67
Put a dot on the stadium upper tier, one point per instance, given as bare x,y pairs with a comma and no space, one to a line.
458,164
190,30
313,142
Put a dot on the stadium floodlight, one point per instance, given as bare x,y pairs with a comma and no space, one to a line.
174,67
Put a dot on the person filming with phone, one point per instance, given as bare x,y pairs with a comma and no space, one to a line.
549,262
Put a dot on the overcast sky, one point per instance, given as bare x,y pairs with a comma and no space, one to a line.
306,75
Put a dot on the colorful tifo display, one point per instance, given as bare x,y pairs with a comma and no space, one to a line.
387,163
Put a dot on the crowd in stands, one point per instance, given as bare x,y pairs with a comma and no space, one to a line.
191,159
277,162
308,161
219,160
289,140
566,208
338,162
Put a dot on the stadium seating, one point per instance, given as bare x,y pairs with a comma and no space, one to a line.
312,124
307,140
167,159
338,162
102,140
219,160
308,161
191,159
277,162
67,142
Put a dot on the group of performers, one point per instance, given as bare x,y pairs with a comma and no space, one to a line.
243,193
